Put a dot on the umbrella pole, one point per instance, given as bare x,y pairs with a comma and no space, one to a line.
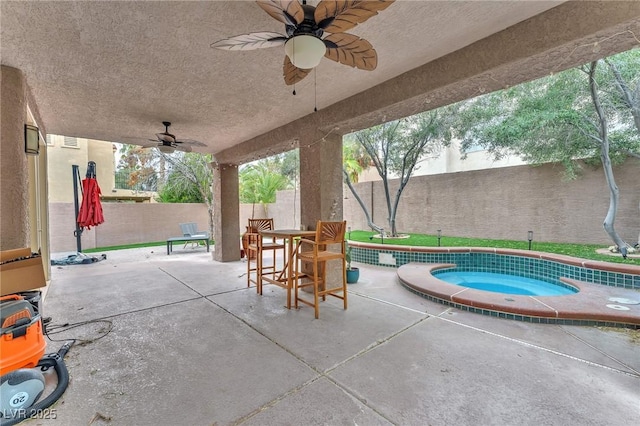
78,232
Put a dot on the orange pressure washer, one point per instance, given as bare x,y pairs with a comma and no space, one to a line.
22,346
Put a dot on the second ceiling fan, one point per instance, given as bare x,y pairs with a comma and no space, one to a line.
305,26
167,142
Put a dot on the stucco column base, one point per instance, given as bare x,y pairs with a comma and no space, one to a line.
226,225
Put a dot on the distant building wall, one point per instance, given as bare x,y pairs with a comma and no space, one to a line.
449,160
63,153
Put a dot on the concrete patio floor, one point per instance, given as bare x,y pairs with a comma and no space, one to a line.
190,344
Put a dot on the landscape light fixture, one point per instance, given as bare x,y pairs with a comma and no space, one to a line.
530,238
31,139
439,236
349,233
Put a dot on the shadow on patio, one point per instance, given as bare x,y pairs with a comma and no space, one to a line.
190,344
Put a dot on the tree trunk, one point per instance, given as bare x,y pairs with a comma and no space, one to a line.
632,100
210,212
359,200
614,192
387,196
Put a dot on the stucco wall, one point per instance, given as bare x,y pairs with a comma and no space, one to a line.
507,202
14,173
125,223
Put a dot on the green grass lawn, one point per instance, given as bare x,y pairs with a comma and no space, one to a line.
138,245
125,246
584,251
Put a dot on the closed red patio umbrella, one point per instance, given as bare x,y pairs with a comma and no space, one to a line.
90,213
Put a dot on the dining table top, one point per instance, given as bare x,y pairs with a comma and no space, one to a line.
287,233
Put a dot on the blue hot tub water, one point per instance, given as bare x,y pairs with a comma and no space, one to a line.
503,283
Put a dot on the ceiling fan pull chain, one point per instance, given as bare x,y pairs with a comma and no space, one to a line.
315,91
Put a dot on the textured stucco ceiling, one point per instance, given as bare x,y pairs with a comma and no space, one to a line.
115,70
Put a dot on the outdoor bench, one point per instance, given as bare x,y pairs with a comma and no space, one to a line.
187,238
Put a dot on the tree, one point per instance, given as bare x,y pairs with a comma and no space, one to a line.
137,168
394,149
177,190
628,84
190,177
259,183
574,115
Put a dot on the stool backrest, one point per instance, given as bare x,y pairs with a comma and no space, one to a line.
330,232
257,225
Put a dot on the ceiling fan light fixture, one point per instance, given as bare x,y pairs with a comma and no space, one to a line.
305,51
166,149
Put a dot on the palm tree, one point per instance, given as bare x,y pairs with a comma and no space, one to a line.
191,172
259,184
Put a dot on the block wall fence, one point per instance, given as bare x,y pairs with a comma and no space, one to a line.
501,203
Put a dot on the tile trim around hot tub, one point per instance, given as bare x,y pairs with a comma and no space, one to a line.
528,263
519,317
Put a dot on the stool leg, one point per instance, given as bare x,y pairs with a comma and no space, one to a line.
344,284
259,255
315,288
295,280
248,268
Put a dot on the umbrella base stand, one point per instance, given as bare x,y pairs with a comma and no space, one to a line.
77,259
78,232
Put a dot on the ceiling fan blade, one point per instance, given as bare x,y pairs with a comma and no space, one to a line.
289,12
191,142
250,41
292,74
165,137
340,16
351,50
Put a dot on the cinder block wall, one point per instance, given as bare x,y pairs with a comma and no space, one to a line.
125,223
505,203
500,203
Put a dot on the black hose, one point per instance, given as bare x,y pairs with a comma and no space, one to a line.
55,360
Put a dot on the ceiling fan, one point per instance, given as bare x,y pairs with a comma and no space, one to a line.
305,26
167,143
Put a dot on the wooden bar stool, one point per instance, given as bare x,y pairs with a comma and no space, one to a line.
327,246
256,246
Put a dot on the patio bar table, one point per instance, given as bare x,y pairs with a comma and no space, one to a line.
285,277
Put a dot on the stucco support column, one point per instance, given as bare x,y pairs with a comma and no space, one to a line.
321,187
321,180
14,171
226,225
